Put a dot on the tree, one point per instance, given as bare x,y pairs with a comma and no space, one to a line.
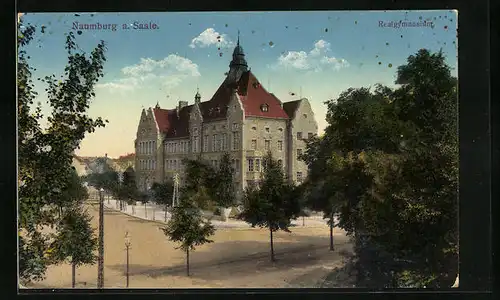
200,176
75,240
127,189
271,205
72,194
393,164
223,190
45,154
163,193
187,226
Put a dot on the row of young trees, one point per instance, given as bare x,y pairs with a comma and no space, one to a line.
50,193
272,204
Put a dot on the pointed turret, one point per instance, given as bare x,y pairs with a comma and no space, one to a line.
197,97
238,64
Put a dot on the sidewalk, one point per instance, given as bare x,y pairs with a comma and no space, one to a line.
155,212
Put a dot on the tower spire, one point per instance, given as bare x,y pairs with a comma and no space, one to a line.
238,43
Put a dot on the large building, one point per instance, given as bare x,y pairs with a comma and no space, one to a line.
241,118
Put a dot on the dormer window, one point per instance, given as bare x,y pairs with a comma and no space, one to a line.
264,107
255,85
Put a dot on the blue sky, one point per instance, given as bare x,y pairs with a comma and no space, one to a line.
310,54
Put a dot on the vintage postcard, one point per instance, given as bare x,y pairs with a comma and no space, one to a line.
238,149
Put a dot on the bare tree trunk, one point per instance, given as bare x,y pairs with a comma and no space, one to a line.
303,221
166,207
73,275
272,246
145,211
187,262
331,232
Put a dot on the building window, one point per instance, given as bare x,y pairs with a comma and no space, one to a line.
280,129
257,165
205,143
280,163
219,143
267,145
299,135
236,140
254,127
280,145
299,154
310,135
250,165
237,166
305,116
254,145
299,177
224,141
175,165
195,131
264,107
235,126
233,164
195,144
154,164
267,129
214,140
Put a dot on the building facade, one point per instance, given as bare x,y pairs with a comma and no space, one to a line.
241,118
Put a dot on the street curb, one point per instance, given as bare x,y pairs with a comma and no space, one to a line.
218,228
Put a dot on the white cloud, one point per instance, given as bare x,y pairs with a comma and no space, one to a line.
315,60
210,37
168,72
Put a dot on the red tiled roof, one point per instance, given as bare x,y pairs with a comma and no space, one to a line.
162,120
254,96
251,92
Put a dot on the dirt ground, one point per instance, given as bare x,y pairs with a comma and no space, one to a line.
237,258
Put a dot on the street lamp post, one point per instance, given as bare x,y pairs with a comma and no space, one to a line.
127,248
100,266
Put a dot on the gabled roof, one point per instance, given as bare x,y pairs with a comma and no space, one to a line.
254,96
290,107
171,124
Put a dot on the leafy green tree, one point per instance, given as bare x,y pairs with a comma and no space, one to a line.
163,193
403,211
73,193
224,193
128,186
76,240
200,176
187,226
45,155
273,204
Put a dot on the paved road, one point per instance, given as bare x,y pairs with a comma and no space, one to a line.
238,257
